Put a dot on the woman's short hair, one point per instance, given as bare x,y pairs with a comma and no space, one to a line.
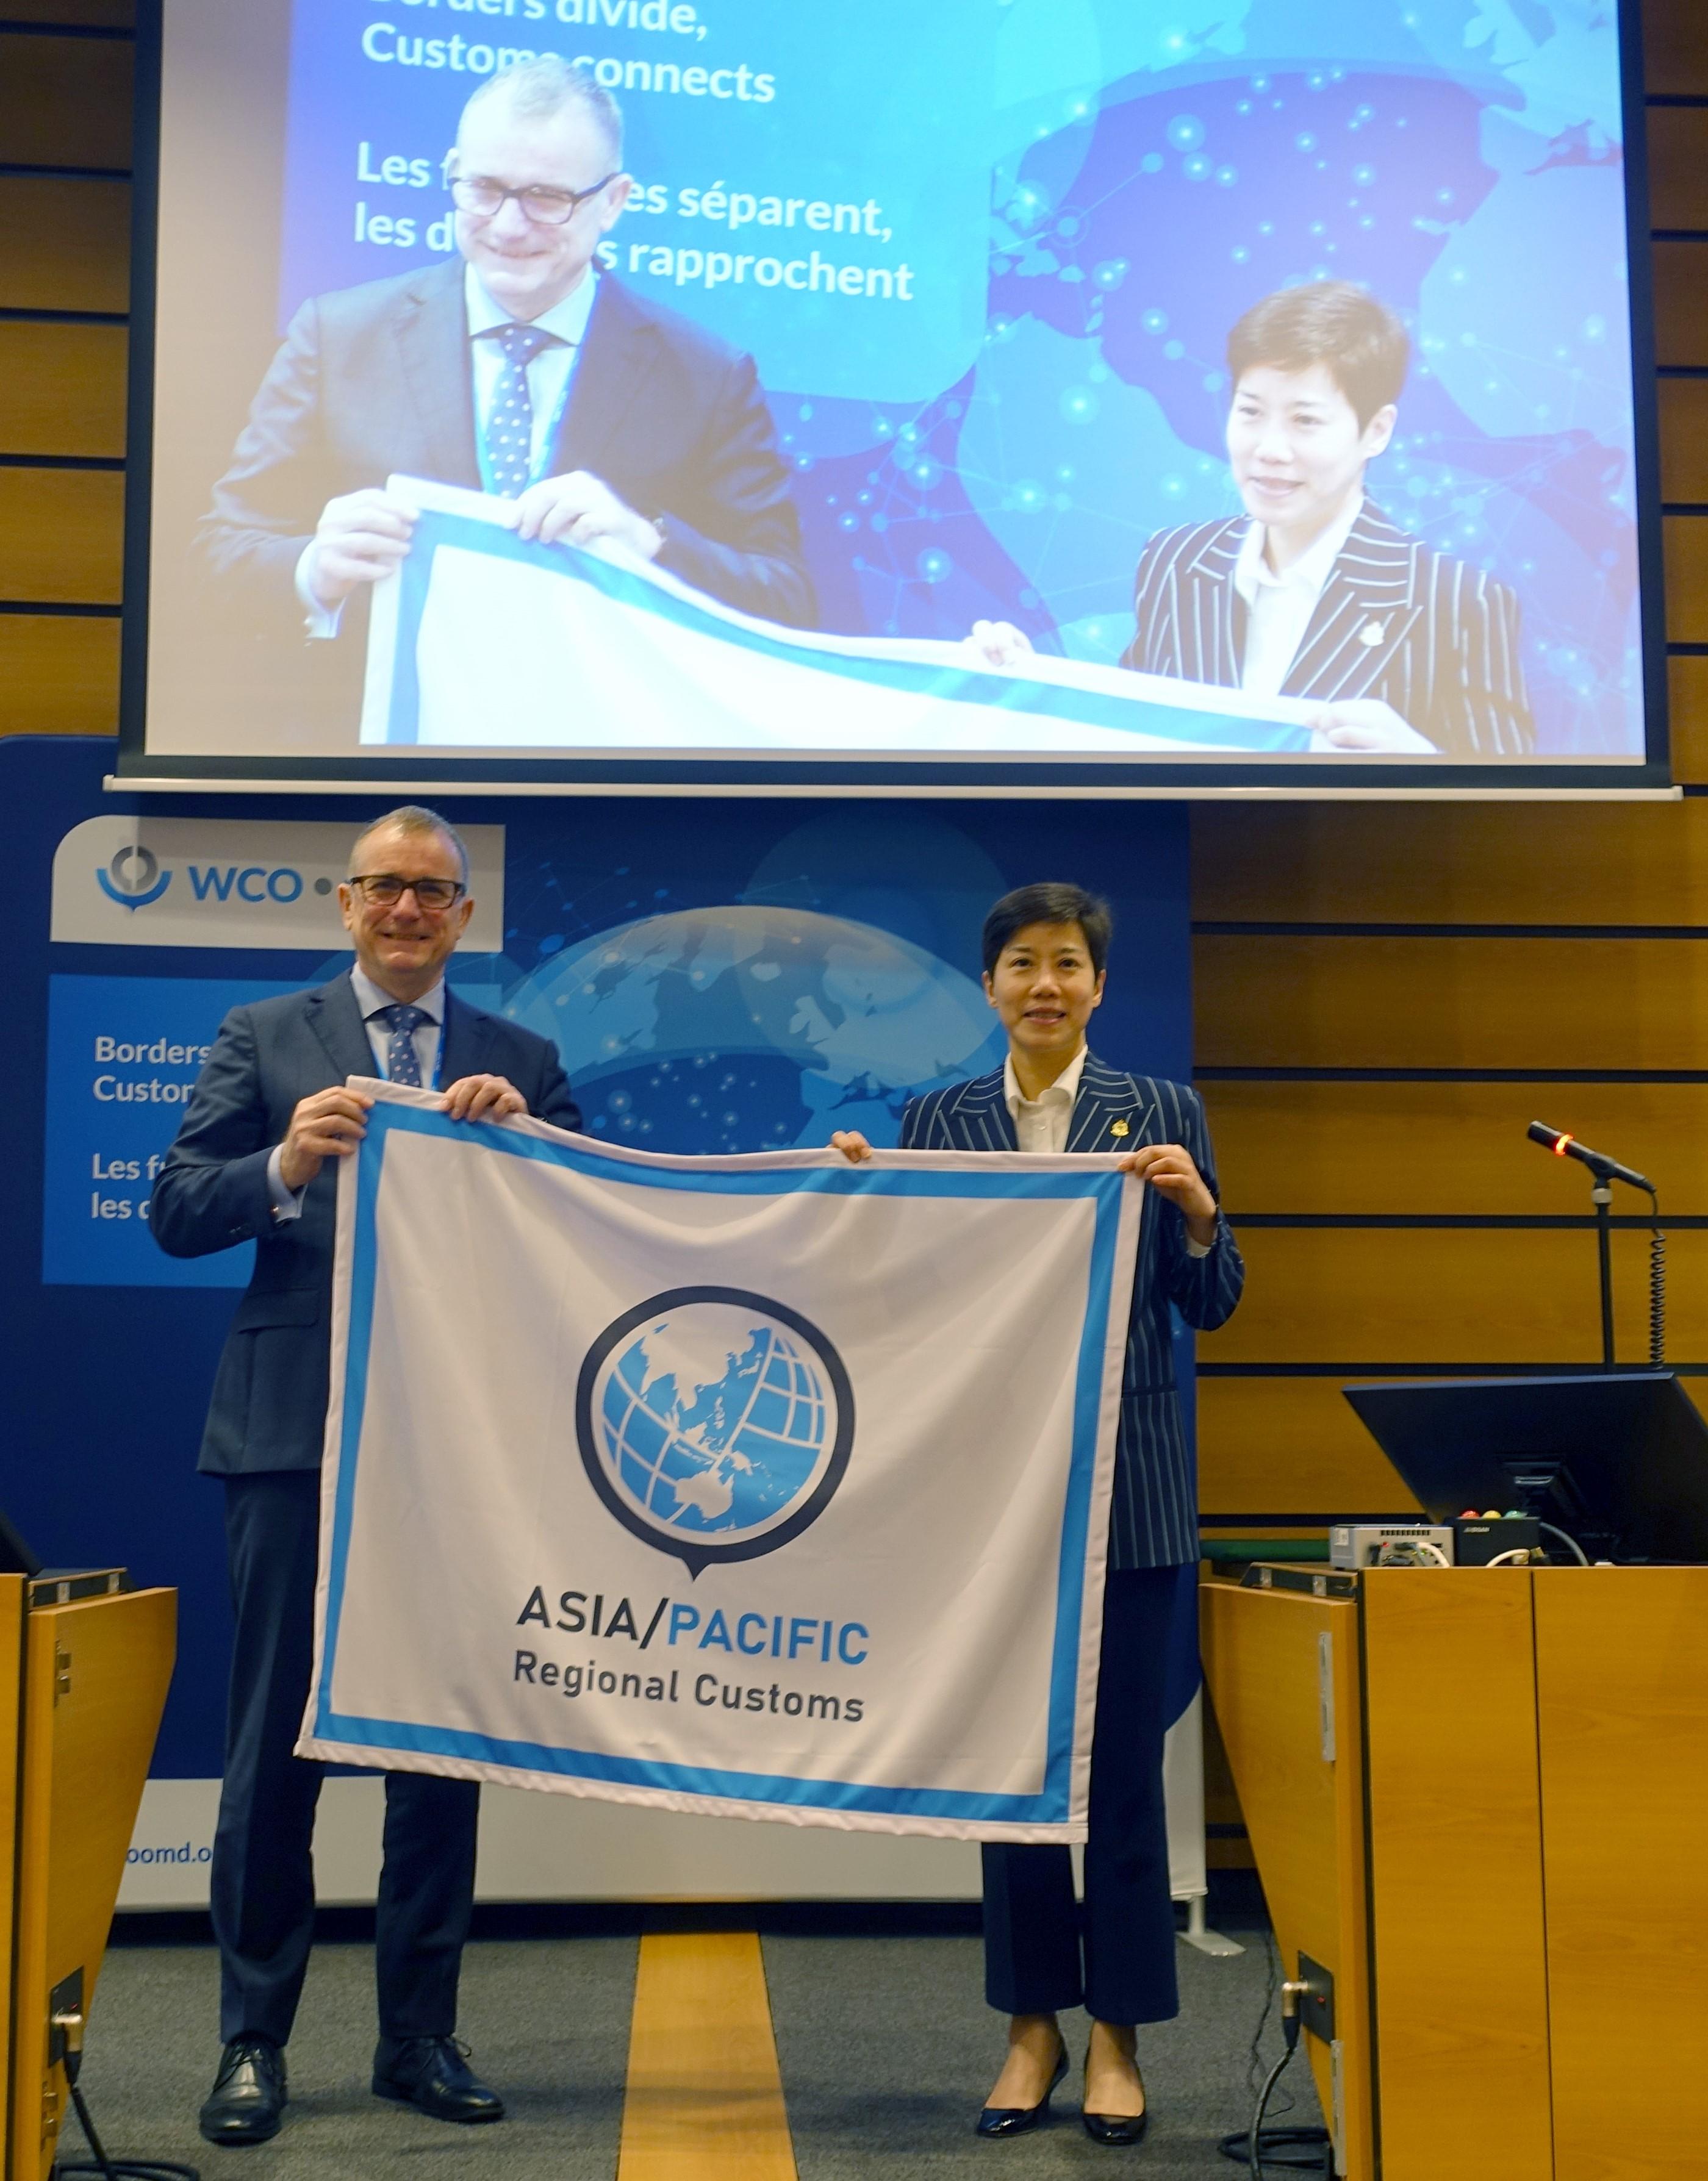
1048,904
1359,341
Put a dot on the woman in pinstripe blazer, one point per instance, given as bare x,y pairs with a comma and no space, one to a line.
1045,950
1313,593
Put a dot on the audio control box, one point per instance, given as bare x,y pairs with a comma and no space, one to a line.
1378,1544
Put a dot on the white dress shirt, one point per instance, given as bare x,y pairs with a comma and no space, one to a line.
1279,607
1041,1123
287,1203
548,374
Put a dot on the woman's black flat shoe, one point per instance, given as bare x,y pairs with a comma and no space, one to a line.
1015,2120
1116,2128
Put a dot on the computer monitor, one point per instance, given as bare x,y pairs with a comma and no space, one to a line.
1619,1461
15,1556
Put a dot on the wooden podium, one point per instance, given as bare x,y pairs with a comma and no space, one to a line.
1478,1798
83,1667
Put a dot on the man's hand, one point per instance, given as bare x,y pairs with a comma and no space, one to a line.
1366,723
580,508
999,643
483,1098
328,1125
852,1145
361,537
1171,1171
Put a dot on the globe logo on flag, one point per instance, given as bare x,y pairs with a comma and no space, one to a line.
714,1423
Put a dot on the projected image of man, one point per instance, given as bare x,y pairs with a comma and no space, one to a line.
1312,593
521,368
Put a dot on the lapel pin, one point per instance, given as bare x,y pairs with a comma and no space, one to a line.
1372,633
1118,1127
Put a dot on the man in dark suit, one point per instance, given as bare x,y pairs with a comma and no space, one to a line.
521,367
1045,951
255,1160
1313,593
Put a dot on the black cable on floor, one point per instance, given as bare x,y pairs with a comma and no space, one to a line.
117,2169
1258,2146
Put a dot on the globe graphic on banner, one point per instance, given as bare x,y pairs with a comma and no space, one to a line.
752,1027
717,1423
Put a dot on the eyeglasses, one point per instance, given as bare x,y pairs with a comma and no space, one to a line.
545,208
385,890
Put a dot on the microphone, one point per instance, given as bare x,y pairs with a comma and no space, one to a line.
1564,1145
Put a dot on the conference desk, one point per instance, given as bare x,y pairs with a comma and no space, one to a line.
84,1668
1478,1798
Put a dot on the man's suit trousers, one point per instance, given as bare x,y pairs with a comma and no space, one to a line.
1116,1956
263,1872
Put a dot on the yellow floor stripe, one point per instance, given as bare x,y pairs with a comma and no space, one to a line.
705,2098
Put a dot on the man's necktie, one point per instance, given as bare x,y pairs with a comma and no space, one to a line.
509,423
401,1065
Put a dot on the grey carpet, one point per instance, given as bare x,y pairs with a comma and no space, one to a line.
886,2046
888,2050
548,2021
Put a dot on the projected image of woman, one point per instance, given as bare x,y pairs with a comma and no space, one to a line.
1313,593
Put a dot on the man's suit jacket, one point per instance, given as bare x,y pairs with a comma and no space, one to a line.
376,379
1433,637
1153,1521
268,1409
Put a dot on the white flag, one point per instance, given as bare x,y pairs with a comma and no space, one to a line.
765,1486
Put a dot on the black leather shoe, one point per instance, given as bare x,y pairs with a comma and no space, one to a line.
1117,2128
246,2103
432,2074
1015,2120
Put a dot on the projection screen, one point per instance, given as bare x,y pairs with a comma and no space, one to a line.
1109,395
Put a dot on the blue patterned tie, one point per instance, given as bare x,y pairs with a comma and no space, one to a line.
401,1064
509,424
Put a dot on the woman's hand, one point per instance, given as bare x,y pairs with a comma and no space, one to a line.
852,1145
999,643
1171,1171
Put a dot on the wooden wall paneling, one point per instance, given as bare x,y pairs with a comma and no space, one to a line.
1449,1147
1404,1296
61,536
1678,167
1288,1446
100,14
1687,718
1622,1670
1681,303
64,245
1333,1002
1686,540
1685,433
62,389
1435,863
65,101
1675,52
58,674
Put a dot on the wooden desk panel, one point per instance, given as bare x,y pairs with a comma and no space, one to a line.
1305,1815
95,1680
1621,1666
1457,1934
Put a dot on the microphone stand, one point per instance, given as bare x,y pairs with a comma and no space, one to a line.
1601,1195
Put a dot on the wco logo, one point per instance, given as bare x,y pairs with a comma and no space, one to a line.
134,878
713,1423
